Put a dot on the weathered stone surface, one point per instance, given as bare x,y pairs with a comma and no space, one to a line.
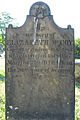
39,69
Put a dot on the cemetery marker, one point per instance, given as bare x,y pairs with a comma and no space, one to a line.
39,68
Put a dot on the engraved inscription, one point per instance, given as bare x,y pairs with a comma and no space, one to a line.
39,69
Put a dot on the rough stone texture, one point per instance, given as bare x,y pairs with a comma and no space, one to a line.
39,69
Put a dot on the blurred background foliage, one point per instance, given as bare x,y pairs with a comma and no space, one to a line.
77,47
5,20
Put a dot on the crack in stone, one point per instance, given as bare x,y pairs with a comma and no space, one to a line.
58,62
35,29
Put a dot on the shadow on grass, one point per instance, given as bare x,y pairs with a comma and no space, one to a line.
2,77
77,84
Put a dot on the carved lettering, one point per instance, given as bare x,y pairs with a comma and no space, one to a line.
39,68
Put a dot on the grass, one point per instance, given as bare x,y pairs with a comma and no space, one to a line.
77,101
2,75
2,94
2,89
2,100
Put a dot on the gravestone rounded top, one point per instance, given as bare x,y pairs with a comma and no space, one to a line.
40,10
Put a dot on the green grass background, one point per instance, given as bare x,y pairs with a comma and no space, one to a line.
2,88
2,93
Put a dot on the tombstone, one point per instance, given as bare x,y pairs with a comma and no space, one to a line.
39,68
